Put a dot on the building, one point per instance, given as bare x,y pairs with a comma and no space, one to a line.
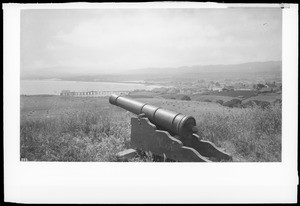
65,93
215,87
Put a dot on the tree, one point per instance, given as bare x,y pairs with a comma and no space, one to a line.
259,86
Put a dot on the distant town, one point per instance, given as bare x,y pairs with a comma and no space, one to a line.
202,87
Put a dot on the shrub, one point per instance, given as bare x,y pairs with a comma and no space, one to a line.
277,101
254,103
185,97
233,103
219,101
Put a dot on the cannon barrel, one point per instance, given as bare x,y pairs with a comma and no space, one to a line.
171,121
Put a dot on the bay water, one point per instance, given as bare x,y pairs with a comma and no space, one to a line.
54,87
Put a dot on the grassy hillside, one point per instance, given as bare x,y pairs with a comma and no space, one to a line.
90,129
269,97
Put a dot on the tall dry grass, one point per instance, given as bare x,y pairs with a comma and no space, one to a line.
95,133
77,136
251,134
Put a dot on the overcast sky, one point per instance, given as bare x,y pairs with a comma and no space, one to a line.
105,40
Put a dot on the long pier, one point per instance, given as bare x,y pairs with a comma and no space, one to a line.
91,93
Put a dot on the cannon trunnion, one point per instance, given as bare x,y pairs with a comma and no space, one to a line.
167,134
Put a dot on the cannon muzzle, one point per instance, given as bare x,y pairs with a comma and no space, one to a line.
173,122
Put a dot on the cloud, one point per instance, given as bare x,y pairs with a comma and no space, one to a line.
119,39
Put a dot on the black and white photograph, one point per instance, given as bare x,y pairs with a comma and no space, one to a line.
131,84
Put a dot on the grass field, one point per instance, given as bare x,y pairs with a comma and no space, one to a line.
225,96
212,98
55,128
269,97
245,93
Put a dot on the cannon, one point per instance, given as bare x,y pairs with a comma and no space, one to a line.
174,122
166,133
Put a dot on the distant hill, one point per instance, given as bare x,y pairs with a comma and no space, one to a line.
245,70
252,67
250,70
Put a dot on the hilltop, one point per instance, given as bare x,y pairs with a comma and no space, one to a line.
245,70
251,67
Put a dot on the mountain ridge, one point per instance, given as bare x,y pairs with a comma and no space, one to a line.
268,67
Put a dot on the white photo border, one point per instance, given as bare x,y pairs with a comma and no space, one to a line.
64,182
